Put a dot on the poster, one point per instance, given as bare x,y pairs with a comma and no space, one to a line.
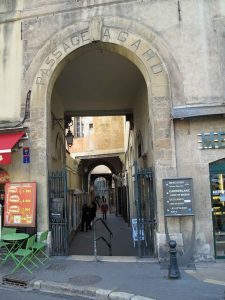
135,234
20,204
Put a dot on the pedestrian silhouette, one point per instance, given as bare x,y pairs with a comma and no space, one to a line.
85,221
104,208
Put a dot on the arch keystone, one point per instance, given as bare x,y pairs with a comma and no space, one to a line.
95,28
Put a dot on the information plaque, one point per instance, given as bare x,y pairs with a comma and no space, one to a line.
178,197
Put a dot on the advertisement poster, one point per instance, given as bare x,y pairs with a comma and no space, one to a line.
20,204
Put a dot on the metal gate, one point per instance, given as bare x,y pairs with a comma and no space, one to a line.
145,212
58,212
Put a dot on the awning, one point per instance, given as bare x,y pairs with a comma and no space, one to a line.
7,142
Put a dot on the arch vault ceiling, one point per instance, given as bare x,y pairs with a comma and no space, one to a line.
98,81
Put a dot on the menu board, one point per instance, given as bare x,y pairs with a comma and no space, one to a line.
178,196
20,204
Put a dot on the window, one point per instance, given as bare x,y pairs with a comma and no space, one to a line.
79,127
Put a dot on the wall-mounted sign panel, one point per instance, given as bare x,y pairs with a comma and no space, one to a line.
212,140
26,155
178,197
20,204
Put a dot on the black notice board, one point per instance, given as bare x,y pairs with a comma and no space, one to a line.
178,197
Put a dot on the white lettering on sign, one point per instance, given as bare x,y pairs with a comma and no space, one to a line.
1,157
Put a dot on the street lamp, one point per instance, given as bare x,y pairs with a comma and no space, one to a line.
69,138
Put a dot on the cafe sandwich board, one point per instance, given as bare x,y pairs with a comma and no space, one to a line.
20,204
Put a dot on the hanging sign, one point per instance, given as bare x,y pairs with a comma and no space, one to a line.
20,204
178,196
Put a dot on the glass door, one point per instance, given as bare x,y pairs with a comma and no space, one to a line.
217,180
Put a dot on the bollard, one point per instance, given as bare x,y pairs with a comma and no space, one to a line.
174,272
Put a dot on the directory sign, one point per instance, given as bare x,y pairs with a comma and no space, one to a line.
178,197
20,204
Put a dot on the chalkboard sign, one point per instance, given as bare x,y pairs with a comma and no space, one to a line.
178,196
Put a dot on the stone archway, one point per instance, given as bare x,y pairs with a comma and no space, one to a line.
113,163
131,40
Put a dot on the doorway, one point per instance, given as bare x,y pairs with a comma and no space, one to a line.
217,182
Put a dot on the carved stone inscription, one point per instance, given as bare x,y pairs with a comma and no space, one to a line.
108,34
58,53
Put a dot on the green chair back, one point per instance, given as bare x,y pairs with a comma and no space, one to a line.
8,230
43,236
30,242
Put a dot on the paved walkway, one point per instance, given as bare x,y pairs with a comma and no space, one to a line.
122,243
122,279
119,277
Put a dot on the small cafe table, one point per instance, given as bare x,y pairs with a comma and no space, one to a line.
15,241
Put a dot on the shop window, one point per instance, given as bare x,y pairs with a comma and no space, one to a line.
217,180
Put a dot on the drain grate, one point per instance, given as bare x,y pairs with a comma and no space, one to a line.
19,280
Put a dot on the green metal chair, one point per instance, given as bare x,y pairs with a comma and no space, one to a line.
4,245
3,249
39,247
24,257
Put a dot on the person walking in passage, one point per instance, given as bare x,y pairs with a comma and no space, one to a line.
85,222
104,208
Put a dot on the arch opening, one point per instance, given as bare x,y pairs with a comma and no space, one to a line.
135,86
106,97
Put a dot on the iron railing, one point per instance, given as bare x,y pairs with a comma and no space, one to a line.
107,242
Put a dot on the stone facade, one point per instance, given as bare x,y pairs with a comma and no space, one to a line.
179,51
106,135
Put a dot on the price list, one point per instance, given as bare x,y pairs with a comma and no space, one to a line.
20,204
178,196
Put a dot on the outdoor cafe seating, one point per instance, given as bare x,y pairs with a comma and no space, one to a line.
24,250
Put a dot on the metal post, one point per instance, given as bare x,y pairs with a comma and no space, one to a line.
95,242
137,203
174,272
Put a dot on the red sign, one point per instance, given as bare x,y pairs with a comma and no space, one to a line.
20,204
5,158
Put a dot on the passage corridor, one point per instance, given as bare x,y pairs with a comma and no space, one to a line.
122,242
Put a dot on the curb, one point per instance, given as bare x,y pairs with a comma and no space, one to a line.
87,291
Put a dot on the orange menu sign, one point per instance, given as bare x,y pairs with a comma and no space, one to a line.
20,204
